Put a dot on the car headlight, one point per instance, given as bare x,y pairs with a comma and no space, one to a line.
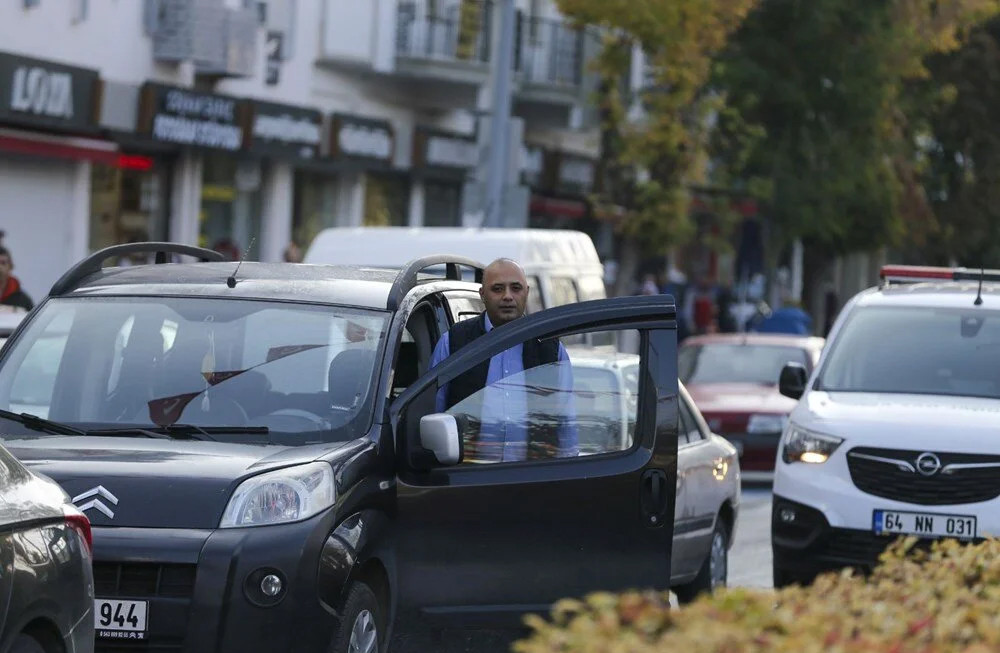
767,423
281,496
804,446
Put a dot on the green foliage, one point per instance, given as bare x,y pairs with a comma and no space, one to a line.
917,601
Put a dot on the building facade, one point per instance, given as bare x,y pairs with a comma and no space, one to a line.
246,126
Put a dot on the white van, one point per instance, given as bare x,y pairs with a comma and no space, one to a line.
562,266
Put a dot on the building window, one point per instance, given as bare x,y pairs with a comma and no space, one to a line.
128,204
315,207
387,200
230,207
442,204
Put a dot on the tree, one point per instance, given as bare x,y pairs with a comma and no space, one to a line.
647,164
825,81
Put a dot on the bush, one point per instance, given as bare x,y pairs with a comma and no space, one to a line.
941,599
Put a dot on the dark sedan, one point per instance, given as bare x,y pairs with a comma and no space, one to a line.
46,583
733,379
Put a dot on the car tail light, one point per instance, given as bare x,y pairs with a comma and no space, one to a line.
79,522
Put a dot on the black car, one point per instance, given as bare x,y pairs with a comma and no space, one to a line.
263,460
46,587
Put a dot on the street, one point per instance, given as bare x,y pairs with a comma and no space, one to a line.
750,557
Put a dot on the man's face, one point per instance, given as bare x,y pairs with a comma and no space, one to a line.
5,268
505,292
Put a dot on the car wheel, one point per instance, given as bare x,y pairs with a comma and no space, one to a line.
361,628
714,571
26,644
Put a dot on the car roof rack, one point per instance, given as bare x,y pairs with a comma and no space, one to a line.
921,273
407,277
93,263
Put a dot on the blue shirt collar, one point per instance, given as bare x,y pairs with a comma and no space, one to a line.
489,325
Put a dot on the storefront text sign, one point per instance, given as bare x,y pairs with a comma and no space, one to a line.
175,115
286,131
367,139
444,150
47,94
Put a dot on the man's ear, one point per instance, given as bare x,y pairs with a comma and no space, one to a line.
482,292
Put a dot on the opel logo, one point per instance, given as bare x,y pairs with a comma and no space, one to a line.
100,492
928,464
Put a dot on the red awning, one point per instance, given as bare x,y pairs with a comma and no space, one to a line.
558,208
59,147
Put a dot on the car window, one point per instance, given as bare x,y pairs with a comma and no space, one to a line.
563,291
692,432
946,351
574,406
301,371
534,295
464,306
736,363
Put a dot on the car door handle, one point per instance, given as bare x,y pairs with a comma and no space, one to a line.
654,496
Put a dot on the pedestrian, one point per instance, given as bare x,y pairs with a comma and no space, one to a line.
292,253
11,293
503,427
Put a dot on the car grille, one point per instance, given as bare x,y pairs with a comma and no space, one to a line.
157,583
901,481
854,546
142,580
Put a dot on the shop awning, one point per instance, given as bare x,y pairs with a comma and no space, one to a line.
58,147
558,208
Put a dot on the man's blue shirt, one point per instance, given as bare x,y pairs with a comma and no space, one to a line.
503,433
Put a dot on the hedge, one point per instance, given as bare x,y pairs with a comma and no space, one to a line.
941,599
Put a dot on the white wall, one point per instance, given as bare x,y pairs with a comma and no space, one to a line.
37,200
111,39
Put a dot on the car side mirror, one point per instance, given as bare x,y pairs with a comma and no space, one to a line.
439,435
792,382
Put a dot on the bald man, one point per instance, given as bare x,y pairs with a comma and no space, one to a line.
504,408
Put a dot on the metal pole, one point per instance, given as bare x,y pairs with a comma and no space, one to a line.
500,122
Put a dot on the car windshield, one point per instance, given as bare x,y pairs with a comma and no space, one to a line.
292,373
917,351
736,363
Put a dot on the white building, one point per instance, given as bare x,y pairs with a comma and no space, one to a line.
226,122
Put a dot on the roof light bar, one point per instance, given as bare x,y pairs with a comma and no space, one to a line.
916,273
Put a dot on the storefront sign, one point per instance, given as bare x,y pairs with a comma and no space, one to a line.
353,137
576,174
175,115
283,130
46,94
444,150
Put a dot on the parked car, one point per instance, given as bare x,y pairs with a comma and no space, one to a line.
261,456
733,378
895,431
46,586
708,471
9,319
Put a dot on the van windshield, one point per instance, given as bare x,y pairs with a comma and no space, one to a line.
242,370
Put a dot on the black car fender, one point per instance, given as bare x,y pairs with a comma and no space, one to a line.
358,549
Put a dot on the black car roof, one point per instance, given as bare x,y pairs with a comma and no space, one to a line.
350,285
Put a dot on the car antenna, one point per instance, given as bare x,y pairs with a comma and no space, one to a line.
979,295
231,281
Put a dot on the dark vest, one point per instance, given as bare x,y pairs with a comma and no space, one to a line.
533,354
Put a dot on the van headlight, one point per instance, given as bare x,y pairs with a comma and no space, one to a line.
281,496
805,446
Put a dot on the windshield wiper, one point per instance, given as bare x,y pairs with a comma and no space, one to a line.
36,423
183,431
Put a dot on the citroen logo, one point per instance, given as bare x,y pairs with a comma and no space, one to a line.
928,464
99,492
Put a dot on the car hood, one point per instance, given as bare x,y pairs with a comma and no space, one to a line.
714,398
927,422
156,483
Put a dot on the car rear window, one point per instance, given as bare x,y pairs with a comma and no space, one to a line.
736,363
917,351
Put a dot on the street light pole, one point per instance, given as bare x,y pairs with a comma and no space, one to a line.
500,121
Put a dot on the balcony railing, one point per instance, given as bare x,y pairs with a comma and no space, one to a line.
460,33
549,52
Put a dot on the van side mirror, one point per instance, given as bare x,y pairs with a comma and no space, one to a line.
439,435
792,382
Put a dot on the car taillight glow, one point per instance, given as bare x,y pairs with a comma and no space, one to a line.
80,523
